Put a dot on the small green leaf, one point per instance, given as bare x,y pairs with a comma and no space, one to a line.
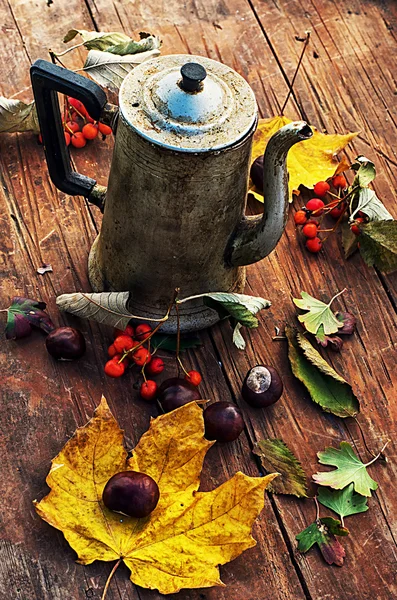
277,457
319,314
349,469
378,245
322,532
365,171
343,502
326,387
97,40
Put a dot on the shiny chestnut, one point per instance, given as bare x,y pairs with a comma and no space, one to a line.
65,342
132,493
262,386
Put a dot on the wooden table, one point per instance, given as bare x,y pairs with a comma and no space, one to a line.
347,83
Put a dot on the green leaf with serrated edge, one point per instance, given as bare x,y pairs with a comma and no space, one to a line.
318,314
239,306
366,201
349,469
325,386
365,171
276,457
150,42
322,532
97,40
378,245
343,502
168,342
349,240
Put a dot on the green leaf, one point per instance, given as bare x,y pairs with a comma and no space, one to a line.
319,314
366,200
97,40
322,532
343,502
23,314
378,245
349,240
349,469
365,171
277,457
325,386
149,42
239,306
17,116
168,342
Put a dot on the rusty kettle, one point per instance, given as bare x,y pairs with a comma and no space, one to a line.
174,209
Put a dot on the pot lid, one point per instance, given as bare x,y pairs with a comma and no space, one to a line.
188,103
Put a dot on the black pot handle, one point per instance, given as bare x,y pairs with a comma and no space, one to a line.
47,80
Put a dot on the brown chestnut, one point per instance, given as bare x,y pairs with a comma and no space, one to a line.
256,173
65,342
223,422
262,386
131,493
176,392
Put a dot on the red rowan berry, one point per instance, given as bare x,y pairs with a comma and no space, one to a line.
300,217
315,205
148,390
321,188
193,377
314,245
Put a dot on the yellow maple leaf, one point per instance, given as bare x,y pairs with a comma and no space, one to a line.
309,161
182,542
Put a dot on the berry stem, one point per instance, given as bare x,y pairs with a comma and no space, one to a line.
291,85
335,227
112,572
54,59
160,322
178,338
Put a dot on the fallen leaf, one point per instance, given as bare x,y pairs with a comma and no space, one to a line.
309,161
322,532
343,502
366,201
349,322
109,308
349,469
238,339
44,269
319,314
365,171
378,245
349,240
23,314
17,116
182,542
277,457
348,325
325,386
109,70
169,342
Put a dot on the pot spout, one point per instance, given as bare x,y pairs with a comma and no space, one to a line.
257,236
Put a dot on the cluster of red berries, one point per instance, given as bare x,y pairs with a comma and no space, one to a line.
128,347
316,207
78,126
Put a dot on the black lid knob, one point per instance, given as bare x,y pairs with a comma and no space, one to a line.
192,76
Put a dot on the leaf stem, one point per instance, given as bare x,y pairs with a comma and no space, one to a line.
112,572
69,49
317,508
336,295
291,85
363,437
378,455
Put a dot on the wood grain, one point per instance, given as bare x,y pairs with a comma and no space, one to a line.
350,85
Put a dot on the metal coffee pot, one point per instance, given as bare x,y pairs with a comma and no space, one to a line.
174,210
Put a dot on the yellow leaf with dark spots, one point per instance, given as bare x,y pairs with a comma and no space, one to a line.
188,535
309,161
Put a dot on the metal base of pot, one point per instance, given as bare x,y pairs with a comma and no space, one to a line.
193,315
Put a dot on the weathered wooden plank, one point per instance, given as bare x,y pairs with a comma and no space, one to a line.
50,227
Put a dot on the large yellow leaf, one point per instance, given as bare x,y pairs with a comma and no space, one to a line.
187,536
308,162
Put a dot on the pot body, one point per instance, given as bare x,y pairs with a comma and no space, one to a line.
167,221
